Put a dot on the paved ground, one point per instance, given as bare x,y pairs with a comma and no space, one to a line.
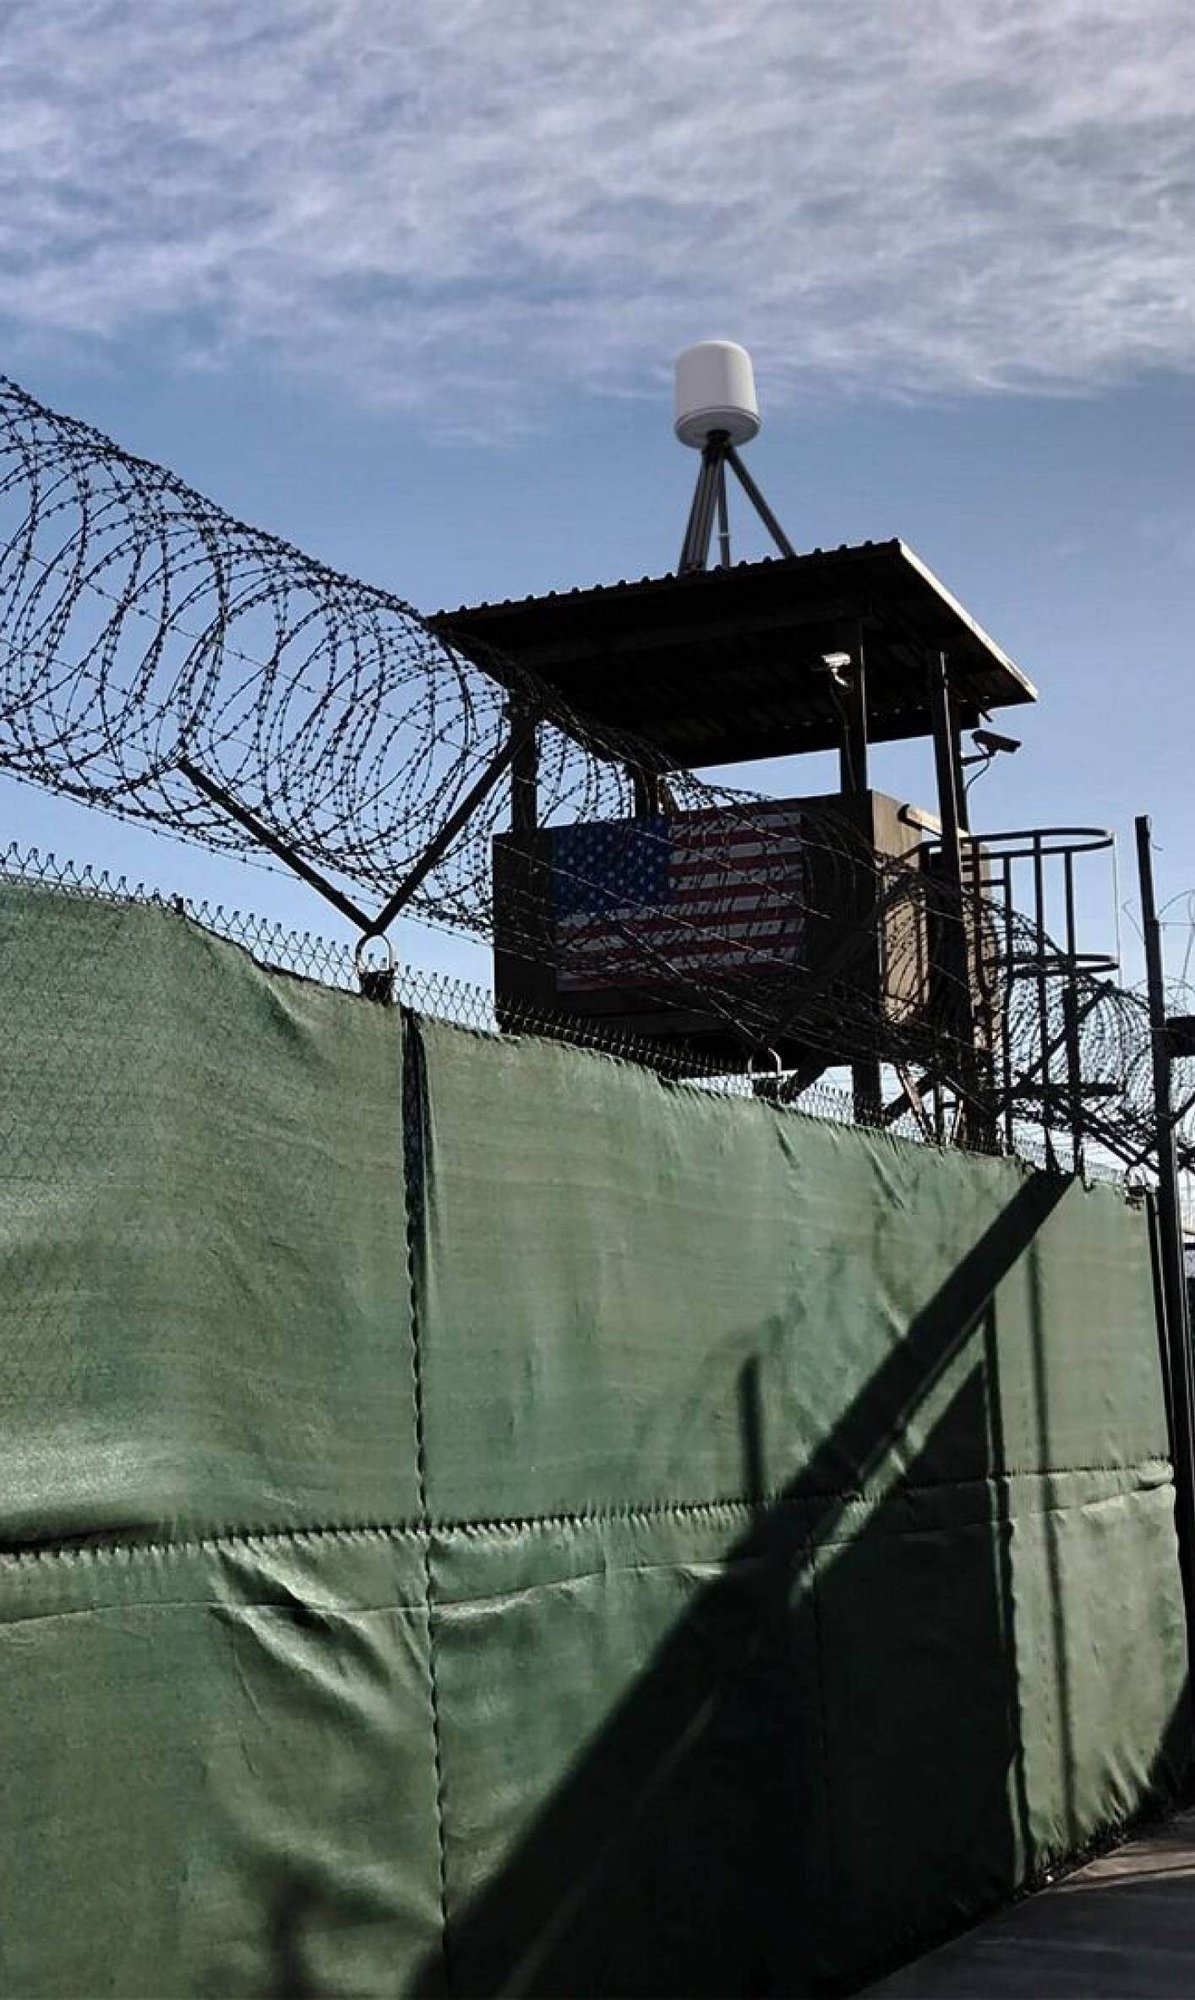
1120,1929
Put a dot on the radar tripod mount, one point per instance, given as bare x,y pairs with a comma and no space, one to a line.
709,497
716,411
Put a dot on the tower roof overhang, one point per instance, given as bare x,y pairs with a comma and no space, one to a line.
726,666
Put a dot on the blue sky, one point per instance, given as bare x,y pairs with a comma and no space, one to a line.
405,284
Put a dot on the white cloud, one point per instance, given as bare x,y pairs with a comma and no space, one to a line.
447,200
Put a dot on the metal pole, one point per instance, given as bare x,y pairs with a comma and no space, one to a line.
853,773
1010,973
509,752
274,842
1070,1015
723,519
866,1076
695,549
1170,1244
1043,1000
524,773
758,502
956,968
645,787
948,801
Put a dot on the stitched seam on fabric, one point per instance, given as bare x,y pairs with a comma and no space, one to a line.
415,1532
413,1141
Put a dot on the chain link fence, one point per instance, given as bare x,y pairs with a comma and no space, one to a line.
439,996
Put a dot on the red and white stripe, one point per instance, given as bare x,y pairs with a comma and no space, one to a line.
737,906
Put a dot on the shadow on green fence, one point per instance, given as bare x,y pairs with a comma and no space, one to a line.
743,1827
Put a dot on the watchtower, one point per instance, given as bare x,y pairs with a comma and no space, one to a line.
731,665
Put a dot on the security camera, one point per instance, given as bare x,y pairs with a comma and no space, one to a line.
992,744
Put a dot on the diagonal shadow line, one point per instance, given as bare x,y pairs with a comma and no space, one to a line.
504,1941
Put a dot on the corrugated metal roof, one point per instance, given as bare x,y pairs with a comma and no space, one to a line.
721,666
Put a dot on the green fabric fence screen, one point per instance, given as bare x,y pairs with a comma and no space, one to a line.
477,1519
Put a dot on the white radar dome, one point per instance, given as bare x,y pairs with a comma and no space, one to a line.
715,391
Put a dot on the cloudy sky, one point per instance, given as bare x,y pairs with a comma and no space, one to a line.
404,279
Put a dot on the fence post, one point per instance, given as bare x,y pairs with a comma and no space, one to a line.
1170,1247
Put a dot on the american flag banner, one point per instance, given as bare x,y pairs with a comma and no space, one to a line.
640,902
